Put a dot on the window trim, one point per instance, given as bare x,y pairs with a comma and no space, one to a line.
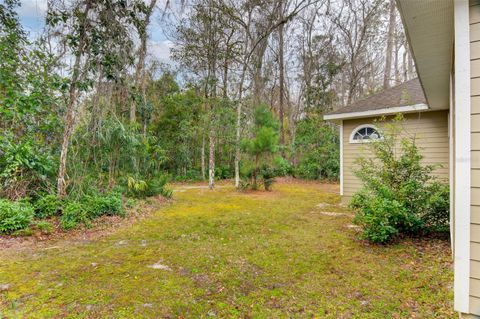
355,130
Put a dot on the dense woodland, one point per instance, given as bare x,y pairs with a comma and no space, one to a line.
86,109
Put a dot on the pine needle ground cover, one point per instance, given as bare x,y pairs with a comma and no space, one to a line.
289,253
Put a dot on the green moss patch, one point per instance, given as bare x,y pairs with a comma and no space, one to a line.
227,254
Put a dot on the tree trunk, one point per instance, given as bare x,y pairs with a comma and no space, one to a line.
410,63
142,52
281,69
211,159
258,82
237,157
226,62
255,174
203,156
225,79
388,53
237,144
238,125
396,62
69,119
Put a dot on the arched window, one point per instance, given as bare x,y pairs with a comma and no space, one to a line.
365,133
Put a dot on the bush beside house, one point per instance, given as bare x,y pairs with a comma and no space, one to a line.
400,196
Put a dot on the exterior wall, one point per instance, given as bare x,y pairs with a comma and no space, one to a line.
430,130
475,158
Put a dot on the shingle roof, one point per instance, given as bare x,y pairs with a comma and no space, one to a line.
405,94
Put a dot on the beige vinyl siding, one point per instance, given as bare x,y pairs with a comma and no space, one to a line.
475,252
430,130
475,216
475,268
475,103
475,158
474,308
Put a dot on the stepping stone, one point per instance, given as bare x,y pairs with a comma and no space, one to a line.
160,266
121,243
332,214
51,247
4,287
354,227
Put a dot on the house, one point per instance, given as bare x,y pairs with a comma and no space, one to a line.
444,36
359,124
445,39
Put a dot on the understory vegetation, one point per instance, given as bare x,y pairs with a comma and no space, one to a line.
81,135
400,195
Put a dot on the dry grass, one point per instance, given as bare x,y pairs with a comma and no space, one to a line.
226,254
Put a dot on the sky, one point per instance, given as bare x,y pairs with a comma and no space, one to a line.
32,16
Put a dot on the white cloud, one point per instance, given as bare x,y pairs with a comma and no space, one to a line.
32,14
33,8
160,50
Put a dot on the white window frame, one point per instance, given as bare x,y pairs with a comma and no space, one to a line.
352,141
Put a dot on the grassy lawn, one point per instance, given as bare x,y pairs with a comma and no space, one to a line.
224,254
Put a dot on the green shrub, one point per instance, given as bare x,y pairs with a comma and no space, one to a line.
130,203
282,167
44,226
47,206
103,204
267,177
73,214
437,213
244,185
399,195
14,216
24,166
191,175
223,172
158,186
23,232
375,218
317,145
155,186
384,217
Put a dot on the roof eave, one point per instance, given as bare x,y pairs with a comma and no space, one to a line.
429,29
375,113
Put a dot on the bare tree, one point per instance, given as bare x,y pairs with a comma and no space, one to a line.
389,49
139,83
357,38
95,33
281,70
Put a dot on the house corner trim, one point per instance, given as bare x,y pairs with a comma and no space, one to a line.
462,158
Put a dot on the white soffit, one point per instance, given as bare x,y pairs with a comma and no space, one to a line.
429,28
378,112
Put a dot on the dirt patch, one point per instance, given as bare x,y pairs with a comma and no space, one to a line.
333,214
100,228
160,266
